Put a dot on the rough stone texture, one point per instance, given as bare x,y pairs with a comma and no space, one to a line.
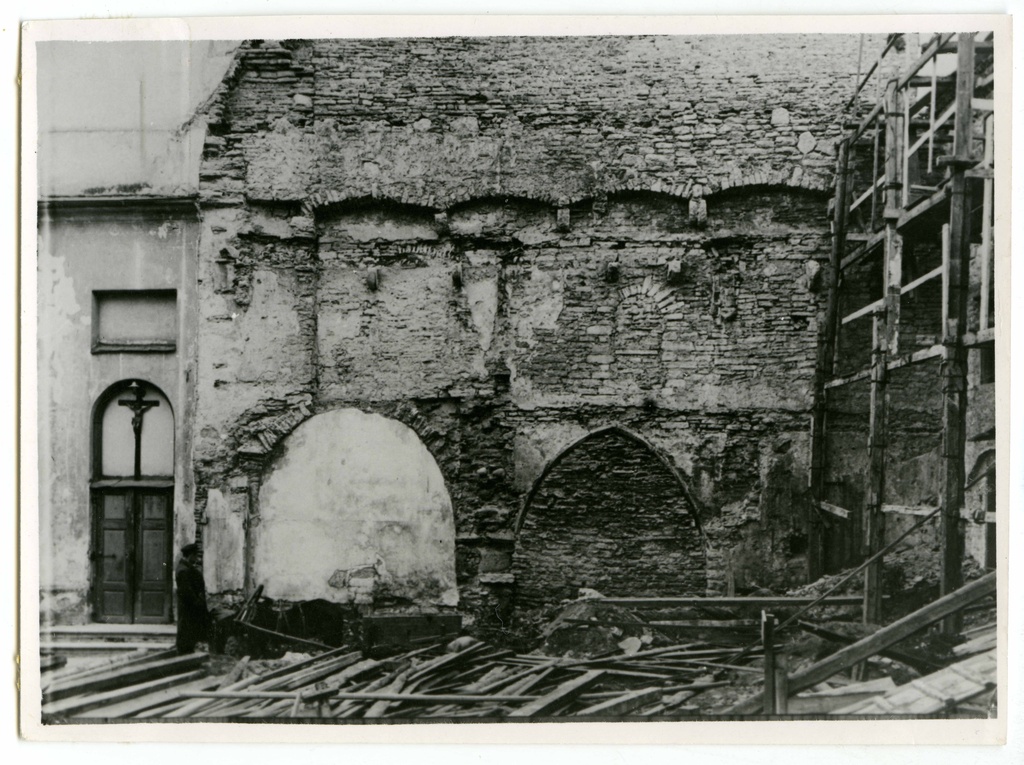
608,516
434,122
510,244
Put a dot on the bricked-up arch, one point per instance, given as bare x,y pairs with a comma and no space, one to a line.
608,513
639,331
354,509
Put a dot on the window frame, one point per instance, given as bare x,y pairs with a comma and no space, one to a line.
153,346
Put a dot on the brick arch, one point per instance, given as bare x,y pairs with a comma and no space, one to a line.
469,201
680,191
793,177
260,438
334,199
611,512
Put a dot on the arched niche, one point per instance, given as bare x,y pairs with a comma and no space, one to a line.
608,513
132,497
355,510
114,436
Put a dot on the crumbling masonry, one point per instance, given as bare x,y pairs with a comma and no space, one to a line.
581,279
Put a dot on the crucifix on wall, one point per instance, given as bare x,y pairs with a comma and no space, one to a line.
139,407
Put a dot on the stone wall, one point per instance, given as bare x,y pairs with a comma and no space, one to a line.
508,245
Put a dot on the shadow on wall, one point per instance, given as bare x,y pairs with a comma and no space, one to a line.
608,514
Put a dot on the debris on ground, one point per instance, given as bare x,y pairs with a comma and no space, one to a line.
596,657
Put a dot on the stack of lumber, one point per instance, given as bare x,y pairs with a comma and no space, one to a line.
112,688
465,679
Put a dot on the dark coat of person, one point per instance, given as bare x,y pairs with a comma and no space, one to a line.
193,616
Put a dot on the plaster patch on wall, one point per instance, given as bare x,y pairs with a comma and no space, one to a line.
223,541
540,305
371,495
483,305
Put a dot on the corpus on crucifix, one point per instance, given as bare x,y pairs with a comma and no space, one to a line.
139,407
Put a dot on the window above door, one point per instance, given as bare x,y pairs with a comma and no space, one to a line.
134,321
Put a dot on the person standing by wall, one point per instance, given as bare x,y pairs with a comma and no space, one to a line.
193,616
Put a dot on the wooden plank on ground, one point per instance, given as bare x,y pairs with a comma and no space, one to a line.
940,691
567,691
105,665
772,601
78,704
624,704
128,675
825,702
979,644
52,663
102,646
879,641
152,705
920,663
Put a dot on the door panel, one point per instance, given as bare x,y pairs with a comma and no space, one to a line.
153,558
132,555
112,554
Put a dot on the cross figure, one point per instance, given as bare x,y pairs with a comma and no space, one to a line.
138,407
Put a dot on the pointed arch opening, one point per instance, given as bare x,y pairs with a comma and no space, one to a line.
612,514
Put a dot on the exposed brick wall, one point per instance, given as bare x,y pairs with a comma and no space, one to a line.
509,245
612,517
434,122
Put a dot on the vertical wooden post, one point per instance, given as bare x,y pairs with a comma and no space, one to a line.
986,231
874,520
885,337
768,642
824,367
954,373
781,685
249,524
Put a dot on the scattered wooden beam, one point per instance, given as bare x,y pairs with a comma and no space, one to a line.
122,676
908,509
624,703
77,704
841,512
152,704
565,692
433,698
884,638
770,601
51,663
941,691
920,663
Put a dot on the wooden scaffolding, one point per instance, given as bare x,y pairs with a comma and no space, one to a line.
917,167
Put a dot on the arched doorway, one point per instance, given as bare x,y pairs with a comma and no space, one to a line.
610,514
355,510
132,504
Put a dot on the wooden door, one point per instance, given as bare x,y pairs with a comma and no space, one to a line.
112,549
132,556
153,557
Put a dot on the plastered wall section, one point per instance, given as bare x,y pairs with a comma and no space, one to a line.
355,508
79,252
116,118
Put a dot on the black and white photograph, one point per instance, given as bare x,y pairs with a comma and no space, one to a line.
437,376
